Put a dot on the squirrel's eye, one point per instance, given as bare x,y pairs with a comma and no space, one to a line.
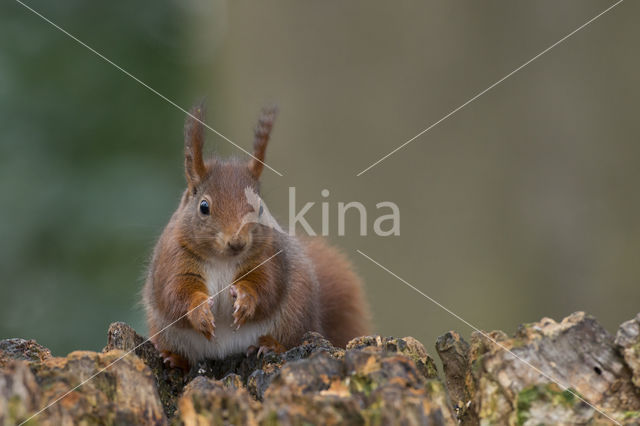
204,207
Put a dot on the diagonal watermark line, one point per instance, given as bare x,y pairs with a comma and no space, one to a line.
143,84
490,87
208,299
500,345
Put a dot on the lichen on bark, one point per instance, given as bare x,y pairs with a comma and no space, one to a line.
375,380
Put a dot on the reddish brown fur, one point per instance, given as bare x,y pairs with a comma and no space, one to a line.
308,286
268,342
261,138
194,141
345,313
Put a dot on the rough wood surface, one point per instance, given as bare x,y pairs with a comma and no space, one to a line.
375,380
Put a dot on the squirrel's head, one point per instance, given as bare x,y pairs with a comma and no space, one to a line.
214,209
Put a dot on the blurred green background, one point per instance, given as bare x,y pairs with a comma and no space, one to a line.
522,205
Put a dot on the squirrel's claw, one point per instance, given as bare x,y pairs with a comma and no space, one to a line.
201,319
258,351
263,350
235,325
251,350
268,344
244,306
173,360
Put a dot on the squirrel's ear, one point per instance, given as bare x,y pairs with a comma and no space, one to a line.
193,141
261,138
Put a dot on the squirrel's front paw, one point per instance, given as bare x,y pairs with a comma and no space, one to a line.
244,306
201,317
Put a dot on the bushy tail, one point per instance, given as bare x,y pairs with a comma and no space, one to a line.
345,311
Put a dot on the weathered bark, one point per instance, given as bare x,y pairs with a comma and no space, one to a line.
123,394
628,341
375,380
454,353
21,349
522,387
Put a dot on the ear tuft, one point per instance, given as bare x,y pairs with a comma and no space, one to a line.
195,169
261,138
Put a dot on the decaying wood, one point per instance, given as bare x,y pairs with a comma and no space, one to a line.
375,380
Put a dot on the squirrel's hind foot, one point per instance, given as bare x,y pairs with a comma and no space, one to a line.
268,344
174,360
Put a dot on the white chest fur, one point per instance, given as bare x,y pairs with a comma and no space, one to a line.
219,275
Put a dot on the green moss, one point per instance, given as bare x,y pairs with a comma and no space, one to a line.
477,364
631,415
432,370
272,419
521,417
14,404
434,386
362,384
518,343
373,414
546,393
16,412
566,397
525,399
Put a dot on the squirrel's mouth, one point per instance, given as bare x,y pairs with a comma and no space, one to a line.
235,250
236,243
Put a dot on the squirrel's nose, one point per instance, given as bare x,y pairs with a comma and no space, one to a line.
236,245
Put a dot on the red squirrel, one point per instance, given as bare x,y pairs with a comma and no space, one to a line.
282,286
